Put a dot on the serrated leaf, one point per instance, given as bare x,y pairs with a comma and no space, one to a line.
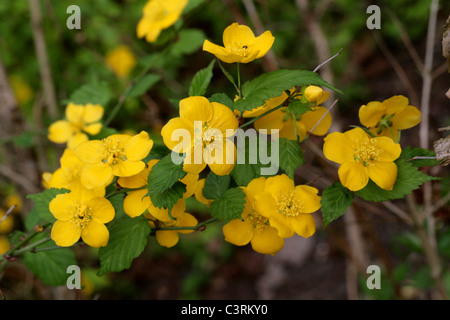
144,84
291,156
168,198
215,186
335,200
409,153
127,239
41,203
229,206
164,174
272,84
51,265
296,106
409,178
96,92
201,80
223,99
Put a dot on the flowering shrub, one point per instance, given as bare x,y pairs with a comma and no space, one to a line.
113,190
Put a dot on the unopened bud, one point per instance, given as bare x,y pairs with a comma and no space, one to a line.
202,228
314,94
38,228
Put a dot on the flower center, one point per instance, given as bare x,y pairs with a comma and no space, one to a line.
240,49
366,152
80,215
289,205
112,152
258,221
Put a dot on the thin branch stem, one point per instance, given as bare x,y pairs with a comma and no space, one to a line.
328,60
264,114
195,228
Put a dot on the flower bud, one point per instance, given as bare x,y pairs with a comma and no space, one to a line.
313,93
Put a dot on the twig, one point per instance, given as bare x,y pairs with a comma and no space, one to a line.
323,116
328,60
42,56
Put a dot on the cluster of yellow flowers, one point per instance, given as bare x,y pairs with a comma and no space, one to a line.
13,203
275,207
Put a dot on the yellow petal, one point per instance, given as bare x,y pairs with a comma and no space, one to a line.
135,203
383,174
102,210
138,146
395,104
273,120
220,52
221,160
353,175
89,151
237,35
304,225
137,180
65,233
93,128
309,197
60,131
167,238
279,184
95,234
196,108
58,206
371,114
238,232
127,168
186,220
311,118
254,187
74,113
282,225
96,175
263,43
223,119
389,150
92,113
265,204
199,193
76,140
267,241
178,133
163,214
407,118
338,147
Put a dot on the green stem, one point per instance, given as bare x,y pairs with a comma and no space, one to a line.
239,79
30,247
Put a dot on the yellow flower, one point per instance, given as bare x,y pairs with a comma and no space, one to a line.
169,238
8,222
22,90
80,119
14,200
68,175
204,128
159,15
81,214
137,201
362,157
288,124
121,61
198,194
240,44
253,228
387,118
117,155
4,244
287,206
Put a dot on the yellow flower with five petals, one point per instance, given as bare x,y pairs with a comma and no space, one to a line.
240,44
117,155
80,121
387,118
253,228
362,157
288,207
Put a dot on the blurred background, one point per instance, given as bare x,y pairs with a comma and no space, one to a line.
42,63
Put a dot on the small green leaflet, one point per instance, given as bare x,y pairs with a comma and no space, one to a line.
95,92
291,156
143,85
223,99
201,80
215,186
229,206
127,239
425,156
335,200
272,84
409,178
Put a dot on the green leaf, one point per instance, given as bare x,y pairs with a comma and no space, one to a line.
409,178
229,206
335,200
272,84
201,81
409,153
143,85
41,202
164,174
291,156
168,198
296,106
127,240
189,41
223,99
51,265
96,92
215,186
